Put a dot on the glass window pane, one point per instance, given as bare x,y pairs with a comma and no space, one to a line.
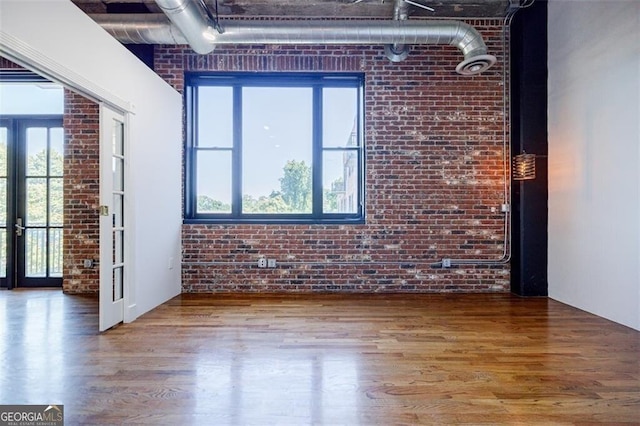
118,210
3,151
215,117
340,181
118,138
213,182
55,202
3,252
55,252
30,98
3,201
339,114
37,151
36,207
118,280
277,150
35,252
118,247
117,166
56,157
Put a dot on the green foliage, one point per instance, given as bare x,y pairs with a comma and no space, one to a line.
330,196
209,205
295,195
3,156
295,186
271,204
37,190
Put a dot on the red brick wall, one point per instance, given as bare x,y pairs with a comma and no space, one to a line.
7,64
81,193
434,179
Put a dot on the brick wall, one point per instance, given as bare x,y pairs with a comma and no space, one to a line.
81,193
7,64
434,179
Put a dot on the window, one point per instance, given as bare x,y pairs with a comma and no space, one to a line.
274,148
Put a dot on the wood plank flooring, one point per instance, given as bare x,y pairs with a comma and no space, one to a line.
322,360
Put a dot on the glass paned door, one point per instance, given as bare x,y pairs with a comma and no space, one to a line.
39,215
113,243
31,206
4,174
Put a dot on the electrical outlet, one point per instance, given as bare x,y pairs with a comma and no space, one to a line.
271,263
262,263
446,263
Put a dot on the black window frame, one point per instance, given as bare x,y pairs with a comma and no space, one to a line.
238,80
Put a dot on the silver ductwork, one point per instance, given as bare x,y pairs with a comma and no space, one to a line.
154,29
397,52
190,18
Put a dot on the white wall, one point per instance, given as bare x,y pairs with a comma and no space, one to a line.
56,37
594,157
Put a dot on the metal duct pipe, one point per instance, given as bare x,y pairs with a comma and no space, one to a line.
190,18
398,52
143,29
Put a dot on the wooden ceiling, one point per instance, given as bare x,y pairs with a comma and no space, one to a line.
456,9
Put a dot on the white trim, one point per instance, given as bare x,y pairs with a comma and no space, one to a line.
130,306
22,54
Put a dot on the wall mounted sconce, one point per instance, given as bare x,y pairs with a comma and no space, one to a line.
524,166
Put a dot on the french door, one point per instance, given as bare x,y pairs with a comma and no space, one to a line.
31,201
114,245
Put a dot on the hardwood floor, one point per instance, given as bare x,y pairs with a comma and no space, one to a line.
321,359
